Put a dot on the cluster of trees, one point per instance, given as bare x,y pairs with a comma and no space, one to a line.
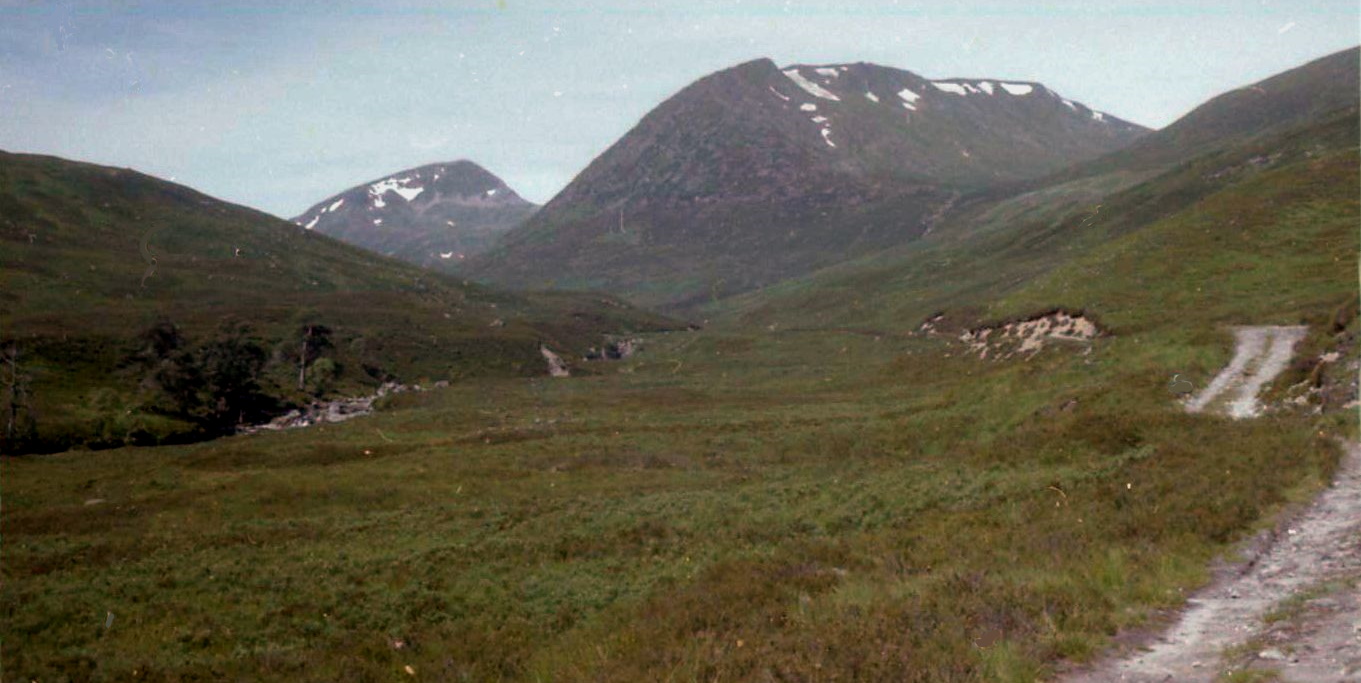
215,384
218,384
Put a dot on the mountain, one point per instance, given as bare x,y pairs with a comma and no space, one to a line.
96,263
1244,208
756,173
434,216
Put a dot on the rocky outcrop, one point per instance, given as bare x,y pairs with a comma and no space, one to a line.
1027,336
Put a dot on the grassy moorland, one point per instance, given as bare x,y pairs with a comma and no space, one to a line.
799,506
803,491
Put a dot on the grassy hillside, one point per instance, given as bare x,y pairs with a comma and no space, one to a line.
1299,97
1268,212
94,257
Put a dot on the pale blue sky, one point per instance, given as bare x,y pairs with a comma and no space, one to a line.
277,104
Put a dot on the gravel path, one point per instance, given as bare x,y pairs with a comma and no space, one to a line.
1321,544
1327,645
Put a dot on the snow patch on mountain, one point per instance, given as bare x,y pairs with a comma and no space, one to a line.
986,87
335,205
909,96
871,97
808,106
810,87
402,186
778,93
313,223
953,88
826,132
828,72
1017,88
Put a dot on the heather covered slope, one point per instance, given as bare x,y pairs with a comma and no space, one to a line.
434,216
754,174
94,257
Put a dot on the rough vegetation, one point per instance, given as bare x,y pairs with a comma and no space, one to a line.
723,505
808,488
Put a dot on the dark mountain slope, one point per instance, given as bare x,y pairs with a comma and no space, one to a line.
753,174
434,216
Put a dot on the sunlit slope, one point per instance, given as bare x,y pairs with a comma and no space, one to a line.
1264,229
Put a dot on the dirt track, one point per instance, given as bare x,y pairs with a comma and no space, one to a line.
1260,355
1321,544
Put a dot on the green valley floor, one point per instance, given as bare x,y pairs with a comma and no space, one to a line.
727,504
